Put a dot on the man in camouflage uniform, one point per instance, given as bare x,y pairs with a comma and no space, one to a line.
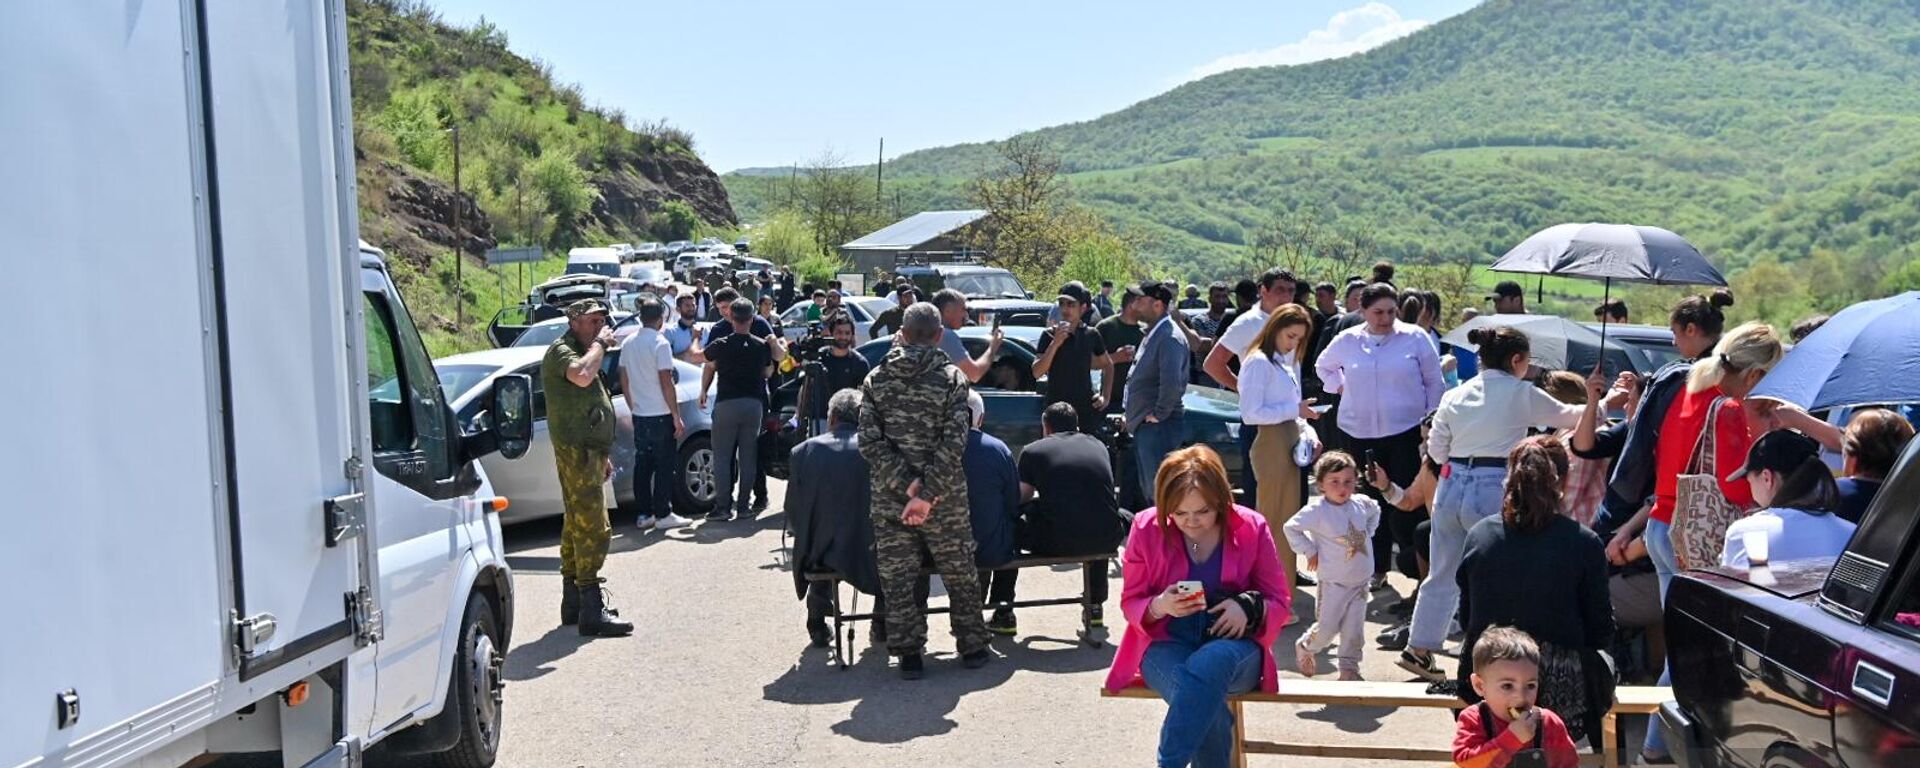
580,424
913,432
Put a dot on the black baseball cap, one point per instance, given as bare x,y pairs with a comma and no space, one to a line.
1158,291
1506,288
1782,450
1076,291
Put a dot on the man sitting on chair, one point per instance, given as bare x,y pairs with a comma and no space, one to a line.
827,506
1075,512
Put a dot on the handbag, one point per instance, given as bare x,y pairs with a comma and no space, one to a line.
1701,512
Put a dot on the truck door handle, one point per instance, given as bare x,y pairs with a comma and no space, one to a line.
1872,684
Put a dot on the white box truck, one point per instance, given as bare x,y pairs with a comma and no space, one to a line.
241,517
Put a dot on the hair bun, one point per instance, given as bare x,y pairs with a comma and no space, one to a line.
1480,336
1721,297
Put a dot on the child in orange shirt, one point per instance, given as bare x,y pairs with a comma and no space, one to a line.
1506,724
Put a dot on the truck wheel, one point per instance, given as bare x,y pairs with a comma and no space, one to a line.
697,488
475,689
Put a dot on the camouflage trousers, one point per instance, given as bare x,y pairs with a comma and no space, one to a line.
947,536
585,536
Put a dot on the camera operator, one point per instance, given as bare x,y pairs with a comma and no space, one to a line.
830,365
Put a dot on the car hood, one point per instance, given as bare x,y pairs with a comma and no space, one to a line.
1211,401
1789,579
974,304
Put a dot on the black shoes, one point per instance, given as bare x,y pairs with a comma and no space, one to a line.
977,659
760,505
821,636
596,618
569,602
1097,617
911,667
1395,638
1303,580
1002,622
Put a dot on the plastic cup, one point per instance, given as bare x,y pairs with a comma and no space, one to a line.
1756,542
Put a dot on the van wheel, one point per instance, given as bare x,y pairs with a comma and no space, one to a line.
475,689
696,489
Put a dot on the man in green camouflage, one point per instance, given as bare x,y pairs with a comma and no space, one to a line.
913,432
580,424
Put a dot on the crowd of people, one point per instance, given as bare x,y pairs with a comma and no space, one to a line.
1541,513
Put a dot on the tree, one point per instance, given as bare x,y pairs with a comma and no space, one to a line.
676,221
835,200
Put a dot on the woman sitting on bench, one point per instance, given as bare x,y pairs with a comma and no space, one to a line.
1205,597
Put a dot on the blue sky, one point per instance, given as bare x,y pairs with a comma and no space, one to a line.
762,82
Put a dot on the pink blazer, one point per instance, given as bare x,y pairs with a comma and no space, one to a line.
1154,560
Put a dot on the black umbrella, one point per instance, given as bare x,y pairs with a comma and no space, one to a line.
1610,252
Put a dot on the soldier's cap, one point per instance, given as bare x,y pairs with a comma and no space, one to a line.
1782,450
1077,292
587,307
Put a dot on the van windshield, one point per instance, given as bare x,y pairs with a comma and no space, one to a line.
987,286
455,380
603,268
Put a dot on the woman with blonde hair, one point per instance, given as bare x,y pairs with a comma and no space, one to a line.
1205,598
1713,398
1270,402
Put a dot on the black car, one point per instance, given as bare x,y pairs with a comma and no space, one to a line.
1808,663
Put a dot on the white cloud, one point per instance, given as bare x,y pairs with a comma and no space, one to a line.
1348,32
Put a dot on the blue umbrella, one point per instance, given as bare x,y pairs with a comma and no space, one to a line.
1868,354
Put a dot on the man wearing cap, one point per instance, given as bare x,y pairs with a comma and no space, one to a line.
1154,414
903,296
1104,301
742,361
1069,352
1508,298
580,424
1798,498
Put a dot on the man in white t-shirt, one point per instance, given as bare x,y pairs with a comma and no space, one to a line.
1276,288
647,379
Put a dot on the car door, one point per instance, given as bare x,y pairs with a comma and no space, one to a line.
422,489
1010,393
531,485
1876,716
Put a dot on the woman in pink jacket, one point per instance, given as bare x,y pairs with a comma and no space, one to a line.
1205,598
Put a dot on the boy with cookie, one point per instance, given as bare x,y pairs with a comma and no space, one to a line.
1506,727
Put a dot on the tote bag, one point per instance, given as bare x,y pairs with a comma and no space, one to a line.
1701,512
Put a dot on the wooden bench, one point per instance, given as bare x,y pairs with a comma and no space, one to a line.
843,634
1636,700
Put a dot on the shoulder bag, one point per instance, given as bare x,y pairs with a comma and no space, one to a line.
1701,512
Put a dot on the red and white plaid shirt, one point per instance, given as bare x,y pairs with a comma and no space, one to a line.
1586,488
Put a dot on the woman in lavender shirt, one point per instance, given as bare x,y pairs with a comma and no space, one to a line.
1387,374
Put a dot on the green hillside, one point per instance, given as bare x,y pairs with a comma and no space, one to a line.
538,165
1766,131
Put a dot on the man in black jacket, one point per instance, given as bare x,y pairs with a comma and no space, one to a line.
827,502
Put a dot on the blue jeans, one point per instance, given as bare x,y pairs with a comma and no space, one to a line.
1248,481
1195,682
1465,497
1659,537
656,465
1151,444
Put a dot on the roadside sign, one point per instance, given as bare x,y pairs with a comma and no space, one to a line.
496,256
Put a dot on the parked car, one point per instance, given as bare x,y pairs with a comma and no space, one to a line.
743,245
990,292
1015,400
545,302
677,247
793,322
531,483
1806,663
1646,347
604,262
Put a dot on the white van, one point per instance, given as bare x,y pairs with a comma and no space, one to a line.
604,262
243,517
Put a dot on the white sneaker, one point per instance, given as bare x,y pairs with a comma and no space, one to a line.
644,523
672,521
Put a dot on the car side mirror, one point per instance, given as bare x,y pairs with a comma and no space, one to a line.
513,414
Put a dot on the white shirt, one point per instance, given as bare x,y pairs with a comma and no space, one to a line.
1269,389
1237,338
1387,384
1341,535
1487,416
643,358
1791,535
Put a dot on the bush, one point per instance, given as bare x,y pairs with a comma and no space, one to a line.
676,221
784,239
816,268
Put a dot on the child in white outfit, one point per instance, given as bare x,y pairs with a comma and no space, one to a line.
1334,531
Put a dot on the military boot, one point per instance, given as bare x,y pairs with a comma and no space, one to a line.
596,618
569,603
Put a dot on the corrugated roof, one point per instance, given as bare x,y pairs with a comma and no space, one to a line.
916,229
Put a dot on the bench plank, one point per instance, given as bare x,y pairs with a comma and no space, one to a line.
1030,561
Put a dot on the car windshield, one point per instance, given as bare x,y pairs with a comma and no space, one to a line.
1658,354
606,268
455,380
540,335
987,286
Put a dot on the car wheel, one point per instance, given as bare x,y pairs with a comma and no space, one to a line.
696,490
474,689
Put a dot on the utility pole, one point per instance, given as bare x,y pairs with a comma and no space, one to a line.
459,289
519,191
880,174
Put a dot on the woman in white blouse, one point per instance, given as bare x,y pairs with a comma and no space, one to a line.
1474,429
1270,402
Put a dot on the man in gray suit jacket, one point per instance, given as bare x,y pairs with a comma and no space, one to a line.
1156,384
827,500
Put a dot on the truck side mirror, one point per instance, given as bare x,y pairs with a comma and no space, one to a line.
513,414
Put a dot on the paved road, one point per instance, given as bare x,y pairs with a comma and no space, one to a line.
720,674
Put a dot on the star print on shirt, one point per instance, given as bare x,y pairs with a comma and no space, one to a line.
1357,541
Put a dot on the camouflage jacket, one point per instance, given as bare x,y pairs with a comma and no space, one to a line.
913,426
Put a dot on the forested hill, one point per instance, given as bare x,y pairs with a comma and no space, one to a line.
1764,130
539,165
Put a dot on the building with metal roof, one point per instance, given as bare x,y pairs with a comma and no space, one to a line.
923,238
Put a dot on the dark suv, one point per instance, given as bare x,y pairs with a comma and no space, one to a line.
991,292
1805,663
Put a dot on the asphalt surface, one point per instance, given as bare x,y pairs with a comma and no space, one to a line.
720,673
